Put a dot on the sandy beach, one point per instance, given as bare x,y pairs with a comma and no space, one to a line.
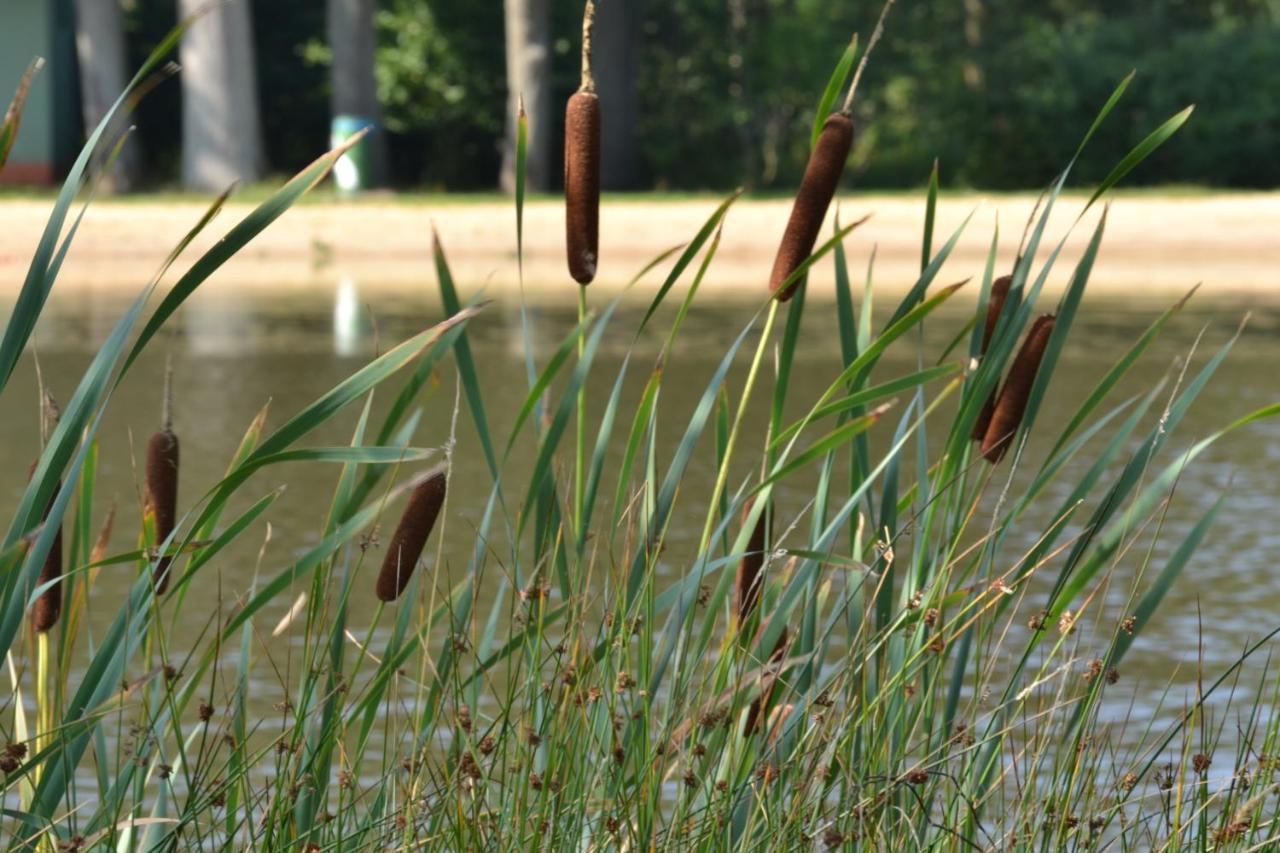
1155,245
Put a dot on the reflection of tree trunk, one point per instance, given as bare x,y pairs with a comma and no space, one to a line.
221,134
354,86
973,12
101,50
528,75
616,48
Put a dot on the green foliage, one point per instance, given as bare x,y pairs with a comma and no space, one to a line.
727,88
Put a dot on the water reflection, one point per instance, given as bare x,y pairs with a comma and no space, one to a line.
233,355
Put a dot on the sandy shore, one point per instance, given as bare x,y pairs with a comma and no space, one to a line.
1154,245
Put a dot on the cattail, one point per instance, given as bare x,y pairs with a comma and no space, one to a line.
582,167
817,188
995,304
411,534
162,481
162,495
48,607
821,177
1011,403
749,569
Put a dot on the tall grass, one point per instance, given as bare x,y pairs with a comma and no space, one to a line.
902,669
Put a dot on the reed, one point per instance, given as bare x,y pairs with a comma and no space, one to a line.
995,304
416,524
1011,403
582,167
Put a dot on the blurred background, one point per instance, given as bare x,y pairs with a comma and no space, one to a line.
697,94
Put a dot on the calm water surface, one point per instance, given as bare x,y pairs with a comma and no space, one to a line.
233,355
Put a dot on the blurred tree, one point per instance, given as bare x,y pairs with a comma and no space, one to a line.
617,45
528,43
724,90
221,135
100,48
354,87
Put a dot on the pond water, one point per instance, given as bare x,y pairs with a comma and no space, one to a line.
232,355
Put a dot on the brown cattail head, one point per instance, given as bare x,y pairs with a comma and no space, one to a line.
48,607
995,304
411,534
1011,403
749,569
162,495
817,187
582,184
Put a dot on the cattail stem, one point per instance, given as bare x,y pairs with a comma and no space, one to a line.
580,456
411,534
588,27
847,109
722,477
44,703
1011,404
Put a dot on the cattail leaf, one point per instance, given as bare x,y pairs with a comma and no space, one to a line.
871,395
846,320
13,115
422,372
836,438
249,441
918,290
1064,318
522,163
555,430
38,283
783,358
676,468
930,214
1110,105
1117,371
835,85
235,240
686,257
603,435
978,338
1151,496
462,355
1162,583
559,358
643,416
1140,152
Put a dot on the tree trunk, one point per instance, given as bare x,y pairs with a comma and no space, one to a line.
617,50
354,84
221,133
100,48
528,75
